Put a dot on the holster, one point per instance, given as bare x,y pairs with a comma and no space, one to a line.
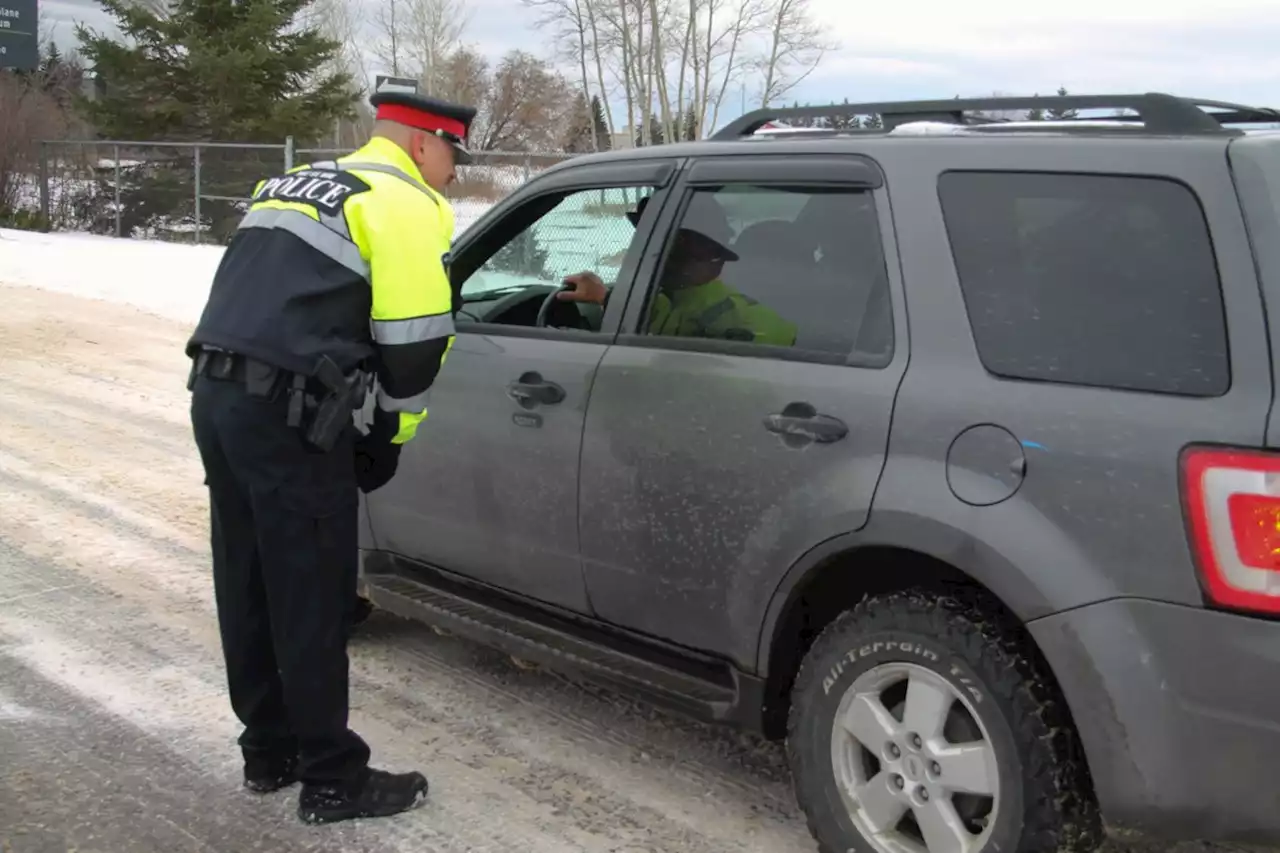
324,421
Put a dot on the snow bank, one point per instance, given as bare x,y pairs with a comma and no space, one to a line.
168,279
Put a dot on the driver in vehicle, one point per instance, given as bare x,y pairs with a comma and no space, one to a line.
692,301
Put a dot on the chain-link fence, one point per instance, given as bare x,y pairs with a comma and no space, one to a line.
197,192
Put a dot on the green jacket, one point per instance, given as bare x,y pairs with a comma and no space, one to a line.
715,310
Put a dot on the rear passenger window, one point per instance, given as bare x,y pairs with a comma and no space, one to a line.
1089,280
781,271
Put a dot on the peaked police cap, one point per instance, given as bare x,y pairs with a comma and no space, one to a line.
449,121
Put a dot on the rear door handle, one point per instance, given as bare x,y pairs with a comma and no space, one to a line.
531,390
801,420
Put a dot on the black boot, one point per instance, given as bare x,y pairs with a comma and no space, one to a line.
376,794
265,777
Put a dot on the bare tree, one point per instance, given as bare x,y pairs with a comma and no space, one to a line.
433,30
730,26
597,52
464,78
527,106
415,38
388,18
568,22
34,109
521,105
344,21
796,44
672,62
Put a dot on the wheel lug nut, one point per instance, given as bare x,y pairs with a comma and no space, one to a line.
935,768
916,742
894,752
924,794
898,782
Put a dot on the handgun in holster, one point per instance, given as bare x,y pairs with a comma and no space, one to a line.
332,414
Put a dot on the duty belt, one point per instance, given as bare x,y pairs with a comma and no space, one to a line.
259,378
321,405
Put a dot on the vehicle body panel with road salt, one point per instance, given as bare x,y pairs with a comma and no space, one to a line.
941,450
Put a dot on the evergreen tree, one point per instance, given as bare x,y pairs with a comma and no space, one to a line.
51,62
656,135
58,75
804,121
214,70
604,142
1059,114
577,138
1036,114
844,121
689,132
211,70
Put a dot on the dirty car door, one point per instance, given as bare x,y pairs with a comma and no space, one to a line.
725,441
489,488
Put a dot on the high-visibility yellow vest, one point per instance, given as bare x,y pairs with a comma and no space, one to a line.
345,258
715,310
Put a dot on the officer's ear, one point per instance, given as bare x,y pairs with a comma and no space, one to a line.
417,142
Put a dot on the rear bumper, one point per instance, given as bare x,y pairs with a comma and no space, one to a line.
1179,712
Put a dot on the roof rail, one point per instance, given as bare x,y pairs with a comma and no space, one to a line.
1159,112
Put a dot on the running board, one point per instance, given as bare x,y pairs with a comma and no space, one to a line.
562,650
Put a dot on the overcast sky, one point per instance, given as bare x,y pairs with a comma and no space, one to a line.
940,48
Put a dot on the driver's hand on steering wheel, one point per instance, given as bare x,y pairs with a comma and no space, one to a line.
587,287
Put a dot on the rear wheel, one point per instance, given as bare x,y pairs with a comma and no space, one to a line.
923,725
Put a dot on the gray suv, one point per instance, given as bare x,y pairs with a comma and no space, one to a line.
942,449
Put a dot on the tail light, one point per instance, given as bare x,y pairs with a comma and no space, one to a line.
1232,502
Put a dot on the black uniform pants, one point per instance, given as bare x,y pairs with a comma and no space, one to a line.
284,540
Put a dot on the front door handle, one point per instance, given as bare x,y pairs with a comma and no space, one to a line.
531,390
802,421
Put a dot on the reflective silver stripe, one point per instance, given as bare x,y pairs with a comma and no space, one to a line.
413,404
336,223
413,330
391,170
315,234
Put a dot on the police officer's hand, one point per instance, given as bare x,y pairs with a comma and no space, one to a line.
587,287
376,457
376,463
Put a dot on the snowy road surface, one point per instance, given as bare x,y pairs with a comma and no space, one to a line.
113,718
115,733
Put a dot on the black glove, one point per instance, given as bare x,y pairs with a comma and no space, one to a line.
376,457
376,464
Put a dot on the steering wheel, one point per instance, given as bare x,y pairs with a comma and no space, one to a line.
545,309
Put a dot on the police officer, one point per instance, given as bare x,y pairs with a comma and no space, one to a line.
334,291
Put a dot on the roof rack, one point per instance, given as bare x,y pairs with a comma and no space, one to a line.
1159,112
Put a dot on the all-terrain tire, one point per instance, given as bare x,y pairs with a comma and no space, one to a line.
1046,801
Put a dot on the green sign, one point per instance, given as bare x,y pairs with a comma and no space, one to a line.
19,43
